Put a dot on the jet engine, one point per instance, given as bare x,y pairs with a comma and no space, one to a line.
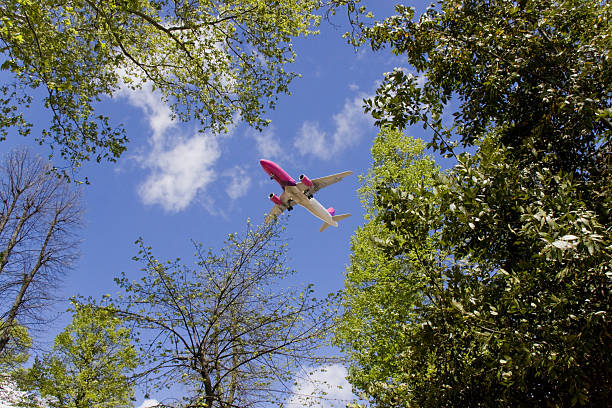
274,198
308,183
305,180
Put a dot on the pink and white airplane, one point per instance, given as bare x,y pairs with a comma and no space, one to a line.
301,193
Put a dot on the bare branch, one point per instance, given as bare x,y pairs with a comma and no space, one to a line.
251,337
39,215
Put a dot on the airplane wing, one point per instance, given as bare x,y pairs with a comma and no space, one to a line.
321,182
278,209
274,212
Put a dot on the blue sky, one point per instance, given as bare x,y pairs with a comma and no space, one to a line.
174,184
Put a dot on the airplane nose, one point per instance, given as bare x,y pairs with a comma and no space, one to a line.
265,164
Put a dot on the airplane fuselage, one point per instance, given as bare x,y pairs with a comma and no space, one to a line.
293,195
277,173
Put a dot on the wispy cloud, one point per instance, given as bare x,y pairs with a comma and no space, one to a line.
313,140
157,113
180,166
350,125
323,387
239,182
267,141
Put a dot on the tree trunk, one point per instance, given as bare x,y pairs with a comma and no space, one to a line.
27,280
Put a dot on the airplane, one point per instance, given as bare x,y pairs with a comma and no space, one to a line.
301,193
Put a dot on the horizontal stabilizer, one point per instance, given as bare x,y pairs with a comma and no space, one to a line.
335,218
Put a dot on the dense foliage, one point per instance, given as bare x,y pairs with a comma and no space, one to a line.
16,350
210,60
506,256
90,364
383,291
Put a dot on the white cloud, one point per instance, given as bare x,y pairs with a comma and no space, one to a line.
350,126
323,387
179,173
158,114
268,142
180,166
312,140
239,182
149,403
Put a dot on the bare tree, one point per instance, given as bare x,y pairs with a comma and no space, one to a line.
39,217
226,331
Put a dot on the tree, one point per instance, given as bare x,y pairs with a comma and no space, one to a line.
90,363
14,355
383,291
539,69
39,217
15,352
208,59
516,237
222,329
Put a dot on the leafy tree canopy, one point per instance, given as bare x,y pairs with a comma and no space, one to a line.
208,59
506,256
539,69
16,351
383,292
89,365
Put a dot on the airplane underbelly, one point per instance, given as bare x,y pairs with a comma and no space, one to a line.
319,211
311,205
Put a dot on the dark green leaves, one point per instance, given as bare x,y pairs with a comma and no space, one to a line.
509,251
